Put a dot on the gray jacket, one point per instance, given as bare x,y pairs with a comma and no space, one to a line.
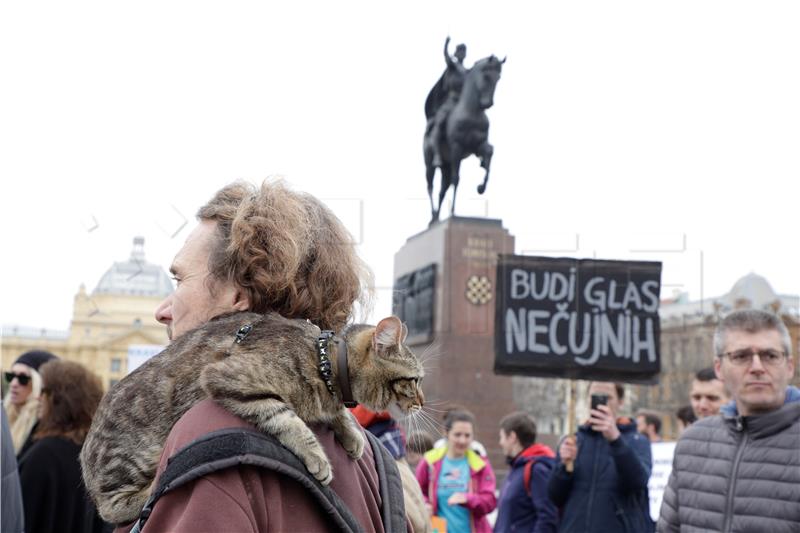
737,474
12,516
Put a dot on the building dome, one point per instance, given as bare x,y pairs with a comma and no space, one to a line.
135,277
752,292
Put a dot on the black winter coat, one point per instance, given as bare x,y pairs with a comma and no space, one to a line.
607,492
53,495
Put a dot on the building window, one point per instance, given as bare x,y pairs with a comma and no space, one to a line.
116,365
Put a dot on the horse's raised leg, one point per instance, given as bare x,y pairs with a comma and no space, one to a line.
446,181
456,152
485,153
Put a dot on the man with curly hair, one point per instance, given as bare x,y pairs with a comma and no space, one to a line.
262,249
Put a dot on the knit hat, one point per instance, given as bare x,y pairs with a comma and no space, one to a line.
35,358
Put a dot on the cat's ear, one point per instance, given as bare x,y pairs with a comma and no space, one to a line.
388,333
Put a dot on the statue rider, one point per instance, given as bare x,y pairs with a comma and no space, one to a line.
444,96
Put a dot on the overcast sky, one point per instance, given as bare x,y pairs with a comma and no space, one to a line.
651,130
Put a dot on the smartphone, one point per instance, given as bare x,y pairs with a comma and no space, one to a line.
599,399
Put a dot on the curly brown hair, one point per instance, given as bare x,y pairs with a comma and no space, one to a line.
287,251
70,396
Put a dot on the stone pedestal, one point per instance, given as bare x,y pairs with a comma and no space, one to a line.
459,342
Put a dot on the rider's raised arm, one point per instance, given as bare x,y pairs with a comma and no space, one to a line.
447,58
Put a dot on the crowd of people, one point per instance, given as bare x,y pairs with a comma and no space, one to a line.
736,465
47,413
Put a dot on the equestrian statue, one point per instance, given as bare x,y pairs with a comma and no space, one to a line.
457,125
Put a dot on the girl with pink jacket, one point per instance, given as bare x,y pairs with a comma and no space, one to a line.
458,484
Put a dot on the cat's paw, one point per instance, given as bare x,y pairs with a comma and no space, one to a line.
318,466
353,444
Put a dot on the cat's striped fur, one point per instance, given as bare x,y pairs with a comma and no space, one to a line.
270,379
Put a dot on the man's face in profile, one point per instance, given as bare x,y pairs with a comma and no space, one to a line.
707,397
194,303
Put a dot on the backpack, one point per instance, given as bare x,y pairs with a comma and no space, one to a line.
526,474
222,449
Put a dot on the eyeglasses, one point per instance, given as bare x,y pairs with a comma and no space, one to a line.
744,357
23,379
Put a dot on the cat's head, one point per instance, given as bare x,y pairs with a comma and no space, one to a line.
384,373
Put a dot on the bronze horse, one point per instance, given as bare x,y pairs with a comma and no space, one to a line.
466,132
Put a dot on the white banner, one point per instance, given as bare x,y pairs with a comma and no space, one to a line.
662,467
139,353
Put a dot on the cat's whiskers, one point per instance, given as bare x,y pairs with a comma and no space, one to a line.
437,402
431,352
420,421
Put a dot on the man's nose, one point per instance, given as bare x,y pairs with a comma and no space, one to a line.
757,365
164,310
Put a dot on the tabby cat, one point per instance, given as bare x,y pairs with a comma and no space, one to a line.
270,377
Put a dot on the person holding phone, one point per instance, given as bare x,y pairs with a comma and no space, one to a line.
601,474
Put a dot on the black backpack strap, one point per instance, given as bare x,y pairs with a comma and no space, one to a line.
225,448
393,511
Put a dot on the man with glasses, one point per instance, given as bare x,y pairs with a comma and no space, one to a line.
741,471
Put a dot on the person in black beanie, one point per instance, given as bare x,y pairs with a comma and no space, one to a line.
22,400
53,495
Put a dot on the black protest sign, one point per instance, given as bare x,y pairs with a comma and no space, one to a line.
578,319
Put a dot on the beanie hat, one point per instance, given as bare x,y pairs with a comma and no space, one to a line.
35,358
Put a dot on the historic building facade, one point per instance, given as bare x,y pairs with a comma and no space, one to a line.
111,328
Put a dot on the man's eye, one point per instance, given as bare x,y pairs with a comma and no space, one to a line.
770,355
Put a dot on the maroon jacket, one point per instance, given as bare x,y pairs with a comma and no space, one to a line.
251,499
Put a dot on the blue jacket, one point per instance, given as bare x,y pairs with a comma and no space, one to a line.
516,509
607,491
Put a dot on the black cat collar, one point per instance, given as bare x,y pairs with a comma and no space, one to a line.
326,370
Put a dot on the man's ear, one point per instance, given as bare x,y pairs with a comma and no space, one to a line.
241,300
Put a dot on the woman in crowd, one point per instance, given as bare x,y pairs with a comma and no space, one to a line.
22,400
458,483
52,490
